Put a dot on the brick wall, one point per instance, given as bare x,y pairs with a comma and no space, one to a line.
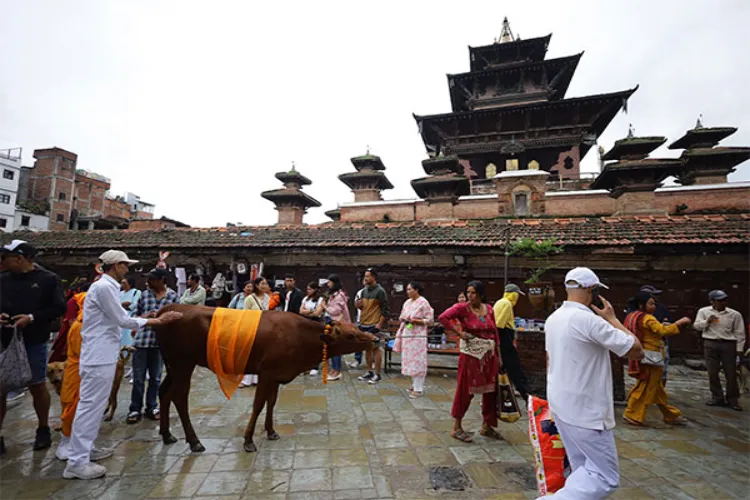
396,212
52,179
150,225
710,199
583,204
117,208
476,209
140,214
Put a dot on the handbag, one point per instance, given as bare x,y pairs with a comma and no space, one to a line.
476,347
507,410
15,370
653,358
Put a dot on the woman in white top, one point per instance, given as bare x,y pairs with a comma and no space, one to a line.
312,308
256,301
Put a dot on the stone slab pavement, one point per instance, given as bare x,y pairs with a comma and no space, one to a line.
349,440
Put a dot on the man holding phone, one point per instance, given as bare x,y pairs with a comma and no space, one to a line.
579,338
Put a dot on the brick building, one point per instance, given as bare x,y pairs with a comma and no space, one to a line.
74,198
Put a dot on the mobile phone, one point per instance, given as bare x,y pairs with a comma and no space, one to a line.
596,300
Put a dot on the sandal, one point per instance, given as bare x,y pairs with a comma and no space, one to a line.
736,407
491,433
153,414
461,435
415,394
632,422
133,418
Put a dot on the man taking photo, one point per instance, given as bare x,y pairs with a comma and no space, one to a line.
30,298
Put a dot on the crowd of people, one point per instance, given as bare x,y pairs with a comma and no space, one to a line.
110,314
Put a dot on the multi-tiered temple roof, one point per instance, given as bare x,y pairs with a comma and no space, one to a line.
510,111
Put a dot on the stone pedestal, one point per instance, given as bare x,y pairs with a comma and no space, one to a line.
290,216
367,195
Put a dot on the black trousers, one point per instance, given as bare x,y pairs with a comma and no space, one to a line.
721,354
511,361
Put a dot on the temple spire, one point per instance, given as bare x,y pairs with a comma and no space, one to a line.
698,122
506,35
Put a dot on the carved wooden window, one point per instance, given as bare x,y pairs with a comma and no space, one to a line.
533,165
511,164
490,171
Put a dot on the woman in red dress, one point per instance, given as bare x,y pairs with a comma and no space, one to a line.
476,375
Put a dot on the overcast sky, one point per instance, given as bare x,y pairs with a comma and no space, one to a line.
195,105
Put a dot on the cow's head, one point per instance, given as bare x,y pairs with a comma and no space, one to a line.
338,331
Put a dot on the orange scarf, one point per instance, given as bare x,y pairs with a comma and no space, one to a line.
634,323
230,341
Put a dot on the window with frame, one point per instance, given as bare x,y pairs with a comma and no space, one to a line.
60,218
25,220
61,196
3,222
8,174
5,198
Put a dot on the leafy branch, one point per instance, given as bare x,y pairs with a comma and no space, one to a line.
538,250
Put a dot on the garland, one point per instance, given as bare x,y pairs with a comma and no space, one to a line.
325,356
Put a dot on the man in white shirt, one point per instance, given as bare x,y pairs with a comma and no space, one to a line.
579,384
104,317
723,340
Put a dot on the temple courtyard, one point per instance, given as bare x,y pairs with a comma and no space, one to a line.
348,440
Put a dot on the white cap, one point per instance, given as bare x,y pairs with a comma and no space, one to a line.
111,257
582,277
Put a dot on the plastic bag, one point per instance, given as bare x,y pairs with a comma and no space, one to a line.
550,461
507,410
15,371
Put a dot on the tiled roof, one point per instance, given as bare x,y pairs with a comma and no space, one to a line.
600,231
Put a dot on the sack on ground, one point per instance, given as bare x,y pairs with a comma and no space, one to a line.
550,462
507,410
15,371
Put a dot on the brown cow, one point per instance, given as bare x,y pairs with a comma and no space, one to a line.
285,346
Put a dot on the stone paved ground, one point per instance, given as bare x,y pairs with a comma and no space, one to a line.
352,440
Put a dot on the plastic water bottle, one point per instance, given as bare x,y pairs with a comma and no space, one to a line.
443,342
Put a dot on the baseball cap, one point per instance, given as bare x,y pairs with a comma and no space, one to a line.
512,287
717,295
19,247
157,273
650,289
111,257
582,277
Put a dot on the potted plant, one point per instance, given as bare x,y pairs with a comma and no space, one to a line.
541,293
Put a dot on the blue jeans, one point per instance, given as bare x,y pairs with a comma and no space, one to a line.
145,358
336,363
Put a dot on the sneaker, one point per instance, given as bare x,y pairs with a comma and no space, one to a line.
366,376
352,364
331,378
85,471
375,379
313,373
43,439
100,454
63,451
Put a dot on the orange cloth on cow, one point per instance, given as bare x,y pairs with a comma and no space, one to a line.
71,383
230,341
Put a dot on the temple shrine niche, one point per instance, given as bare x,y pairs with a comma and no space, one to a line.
510,111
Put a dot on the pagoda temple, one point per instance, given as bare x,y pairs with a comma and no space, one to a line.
704,162
291,202
510,111
368,181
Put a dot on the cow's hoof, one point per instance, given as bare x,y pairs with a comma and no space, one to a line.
273,436
169,439
197,447
250,447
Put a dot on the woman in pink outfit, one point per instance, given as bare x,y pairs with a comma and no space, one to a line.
411,339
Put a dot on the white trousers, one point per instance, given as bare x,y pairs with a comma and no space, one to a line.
96,384
250,379
418,383
593,459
